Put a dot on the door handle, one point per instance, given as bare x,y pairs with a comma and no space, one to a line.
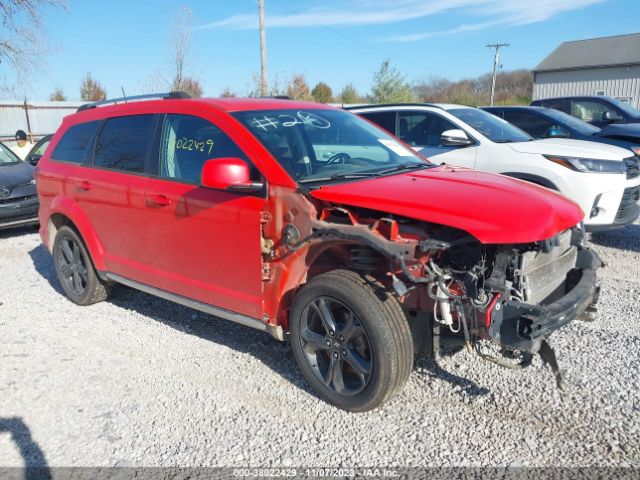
84,185
158,201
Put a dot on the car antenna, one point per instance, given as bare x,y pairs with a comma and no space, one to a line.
124,95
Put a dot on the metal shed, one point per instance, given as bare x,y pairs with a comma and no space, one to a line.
598,66
35,118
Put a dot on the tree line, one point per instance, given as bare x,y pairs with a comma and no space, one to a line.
388,86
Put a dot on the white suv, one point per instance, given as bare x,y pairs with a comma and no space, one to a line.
603,179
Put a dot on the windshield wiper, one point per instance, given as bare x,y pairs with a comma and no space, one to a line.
402,166
338,176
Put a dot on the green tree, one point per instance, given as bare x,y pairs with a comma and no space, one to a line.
298,89
349,94
390,86
322,93
57,95
91,90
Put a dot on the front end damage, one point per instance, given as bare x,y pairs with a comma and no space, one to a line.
500,301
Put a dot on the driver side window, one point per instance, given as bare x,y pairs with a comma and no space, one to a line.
187,142
422,129
590,111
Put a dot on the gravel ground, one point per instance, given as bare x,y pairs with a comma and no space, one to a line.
141,381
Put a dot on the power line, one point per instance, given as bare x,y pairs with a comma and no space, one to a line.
496,59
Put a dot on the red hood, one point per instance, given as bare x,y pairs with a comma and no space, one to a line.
492,208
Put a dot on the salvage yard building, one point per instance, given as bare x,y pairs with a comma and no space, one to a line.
598,66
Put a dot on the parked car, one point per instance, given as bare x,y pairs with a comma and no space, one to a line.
307,222
18,196
35,154
541,122
598,110
602,179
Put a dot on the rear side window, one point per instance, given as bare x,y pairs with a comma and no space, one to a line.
535,126
74,144
124,143
187,143
386,120
555,103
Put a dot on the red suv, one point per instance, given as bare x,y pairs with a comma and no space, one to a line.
310,223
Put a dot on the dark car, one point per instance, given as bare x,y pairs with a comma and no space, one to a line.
38,150
540,122
18,196
598,110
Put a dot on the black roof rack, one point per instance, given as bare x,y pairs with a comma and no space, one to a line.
375,105
164,96
277,97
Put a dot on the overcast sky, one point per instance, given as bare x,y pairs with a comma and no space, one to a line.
126,43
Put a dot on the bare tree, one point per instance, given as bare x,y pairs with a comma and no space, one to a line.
227,93
57,95
298,89
181,55
91,90
22,37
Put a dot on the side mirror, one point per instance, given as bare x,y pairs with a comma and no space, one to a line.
229,174
611,117
455,138
34,159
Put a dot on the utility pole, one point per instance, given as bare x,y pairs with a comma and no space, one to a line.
496,59
263,52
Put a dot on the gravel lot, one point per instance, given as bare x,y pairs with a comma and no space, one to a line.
141,381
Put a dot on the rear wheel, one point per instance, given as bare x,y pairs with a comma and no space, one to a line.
75,270
351,340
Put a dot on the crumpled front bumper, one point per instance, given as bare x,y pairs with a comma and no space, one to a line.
521,326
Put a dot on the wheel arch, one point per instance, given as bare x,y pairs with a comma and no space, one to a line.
64,211
531,178
317,260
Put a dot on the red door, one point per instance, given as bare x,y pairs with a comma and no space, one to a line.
111,193
203,244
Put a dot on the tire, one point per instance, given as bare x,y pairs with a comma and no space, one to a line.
75,270
351,340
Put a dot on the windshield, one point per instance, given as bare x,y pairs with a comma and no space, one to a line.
321,145
7,156
625,107
578,125
494,128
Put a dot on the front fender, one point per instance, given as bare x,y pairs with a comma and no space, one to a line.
69,208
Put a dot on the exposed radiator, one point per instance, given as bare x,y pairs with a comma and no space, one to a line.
542,273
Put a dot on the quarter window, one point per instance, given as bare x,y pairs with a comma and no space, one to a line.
74,144
124,142
187,143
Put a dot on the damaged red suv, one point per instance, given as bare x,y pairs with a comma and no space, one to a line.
312,224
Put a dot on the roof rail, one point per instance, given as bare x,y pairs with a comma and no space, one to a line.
164,96
276,97
410,104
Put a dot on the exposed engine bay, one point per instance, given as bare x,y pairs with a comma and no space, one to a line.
456,291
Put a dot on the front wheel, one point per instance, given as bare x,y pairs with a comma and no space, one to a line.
351,340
